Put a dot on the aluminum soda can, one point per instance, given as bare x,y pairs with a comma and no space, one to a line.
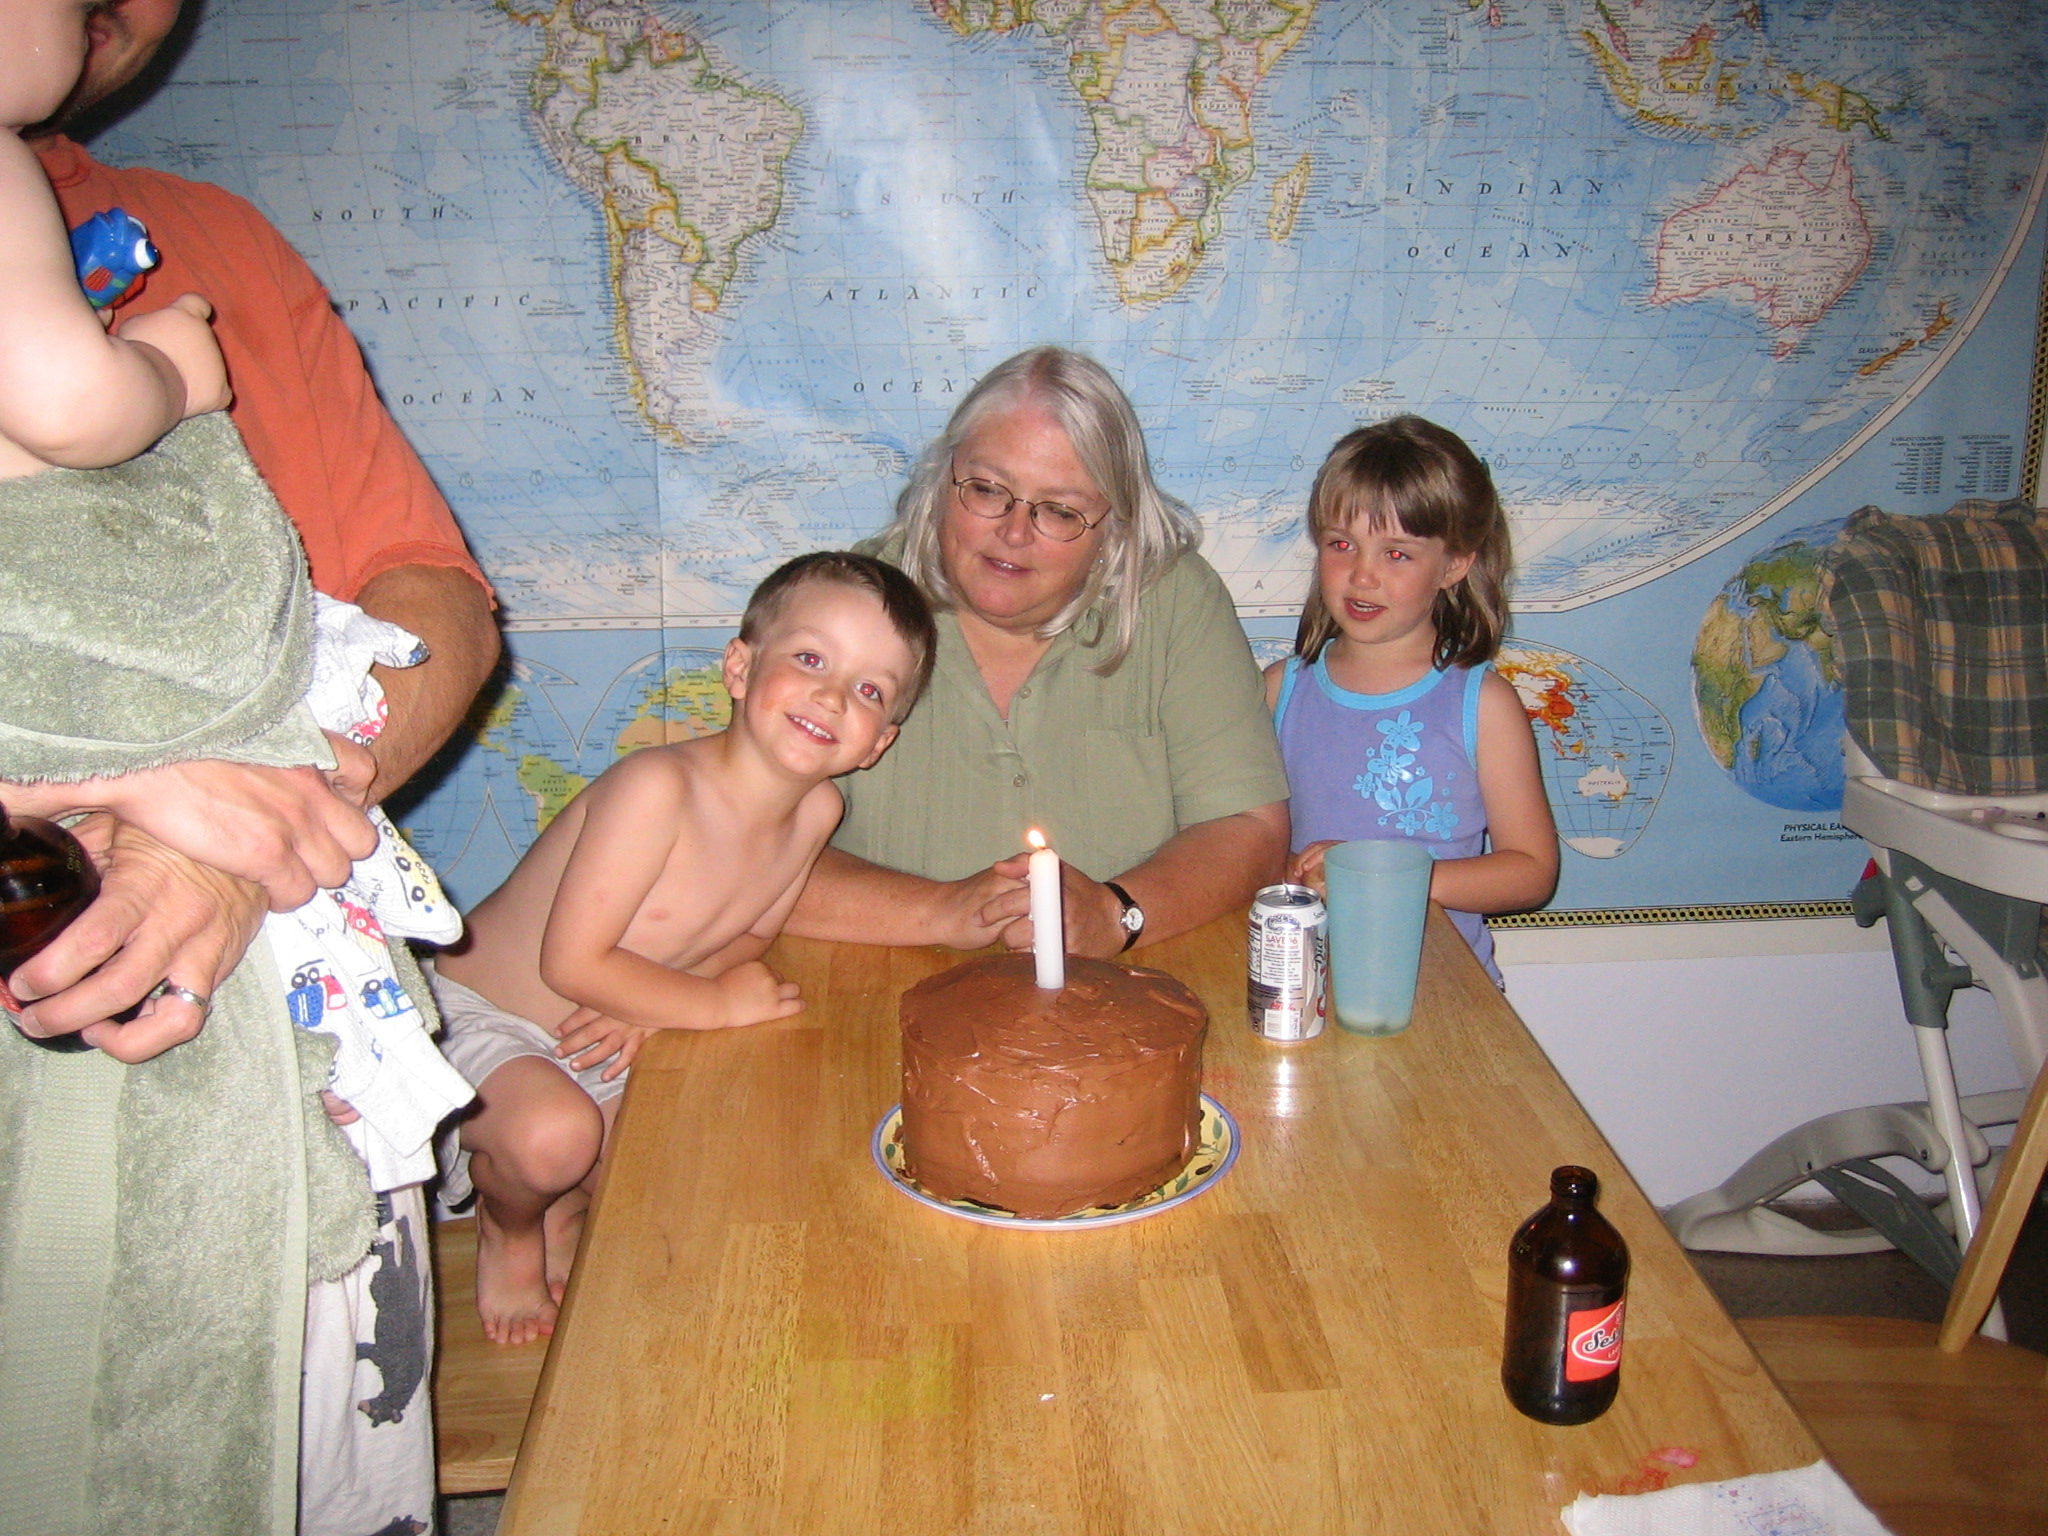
1287,986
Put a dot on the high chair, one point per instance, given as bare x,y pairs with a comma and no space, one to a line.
1941,625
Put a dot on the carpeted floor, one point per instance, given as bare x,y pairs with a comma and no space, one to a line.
1878,1285
474,1514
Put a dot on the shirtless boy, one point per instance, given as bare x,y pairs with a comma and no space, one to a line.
647,902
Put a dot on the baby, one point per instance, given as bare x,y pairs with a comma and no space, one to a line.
76,396
72,394
646,904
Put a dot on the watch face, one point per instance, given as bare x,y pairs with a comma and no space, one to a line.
1133,919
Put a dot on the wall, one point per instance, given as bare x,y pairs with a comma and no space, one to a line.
1689,1058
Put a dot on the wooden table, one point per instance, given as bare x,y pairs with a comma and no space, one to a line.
763,1336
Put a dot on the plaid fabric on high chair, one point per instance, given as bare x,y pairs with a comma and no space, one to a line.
1941,634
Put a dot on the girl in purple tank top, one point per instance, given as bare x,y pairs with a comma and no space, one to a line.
1391,719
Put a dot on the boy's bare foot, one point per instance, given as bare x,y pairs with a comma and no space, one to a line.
511,1283
563,1228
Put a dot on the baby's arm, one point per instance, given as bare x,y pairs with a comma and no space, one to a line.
1520,869
619,855
70,393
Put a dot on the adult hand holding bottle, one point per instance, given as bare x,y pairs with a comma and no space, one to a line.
159,916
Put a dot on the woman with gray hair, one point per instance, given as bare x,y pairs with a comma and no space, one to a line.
1092,681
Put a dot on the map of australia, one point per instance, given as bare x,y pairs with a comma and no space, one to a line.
1785,234
1792,244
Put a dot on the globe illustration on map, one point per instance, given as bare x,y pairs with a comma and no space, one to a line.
1605,750
1766,692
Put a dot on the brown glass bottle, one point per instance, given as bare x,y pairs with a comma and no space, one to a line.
45,881
1567,1275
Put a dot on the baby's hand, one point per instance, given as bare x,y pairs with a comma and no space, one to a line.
339,1110
589,1037
754,994
354,770
1306,867
181,333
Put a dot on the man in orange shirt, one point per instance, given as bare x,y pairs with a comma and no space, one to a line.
181,901
377,533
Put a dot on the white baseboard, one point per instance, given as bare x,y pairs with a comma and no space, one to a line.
1685,941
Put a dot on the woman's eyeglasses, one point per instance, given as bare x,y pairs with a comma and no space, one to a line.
1054,519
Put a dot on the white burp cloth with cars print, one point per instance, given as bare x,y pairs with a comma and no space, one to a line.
332,952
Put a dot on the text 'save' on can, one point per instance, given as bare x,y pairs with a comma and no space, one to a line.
1287,984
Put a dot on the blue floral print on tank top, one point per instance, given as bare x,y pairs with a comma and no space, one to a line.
1387,765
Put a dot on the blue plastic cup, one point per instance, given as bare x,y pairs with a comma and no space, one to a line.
1379,895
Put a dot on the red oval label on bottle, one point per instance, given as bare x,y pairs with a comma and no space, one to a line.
1593,1342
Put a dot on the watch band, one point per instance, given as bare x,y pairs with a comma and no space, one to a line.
1131,929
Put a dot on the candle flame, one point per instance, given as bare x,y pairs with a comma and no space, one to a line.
1035,838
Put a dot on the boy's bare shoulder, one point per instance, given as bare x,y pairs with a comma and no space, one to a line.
819,812
647,775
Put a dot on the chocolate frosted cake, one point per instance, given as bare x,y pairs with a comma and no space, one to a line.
1047,1103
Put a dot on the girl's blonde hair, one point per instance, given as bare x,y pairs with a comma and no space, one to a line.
1413,475
1146,532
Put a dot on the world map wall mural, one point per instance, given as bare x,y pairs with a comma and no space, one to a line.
665,294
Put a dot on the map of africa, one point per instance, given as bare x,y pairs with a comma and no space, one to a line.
665,295
1765,685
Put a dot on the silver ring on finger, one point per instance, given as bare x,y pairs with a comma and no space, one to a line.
169,988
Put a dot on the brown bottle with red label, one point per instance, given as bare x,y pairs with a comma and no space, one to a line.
1567,1277
45,881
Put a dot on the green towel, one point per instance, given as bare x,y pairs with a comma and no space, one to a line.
159,1223
151,613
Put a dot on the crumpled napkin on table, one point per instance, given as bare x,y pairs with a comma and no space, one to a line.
1807,1501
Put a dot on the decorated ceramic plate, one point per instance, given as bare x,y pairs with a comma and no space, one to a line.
1214,1153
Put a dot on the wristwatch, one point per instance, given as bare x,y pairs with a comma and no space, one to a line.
1133,920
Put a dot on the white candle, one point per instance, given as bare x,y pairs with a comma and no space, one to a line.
1048,915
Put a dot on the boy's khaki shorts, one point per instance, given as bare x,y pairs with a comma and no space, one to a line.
478,1037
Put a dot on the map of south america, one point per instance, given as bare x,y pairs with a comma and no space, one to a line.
686,161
